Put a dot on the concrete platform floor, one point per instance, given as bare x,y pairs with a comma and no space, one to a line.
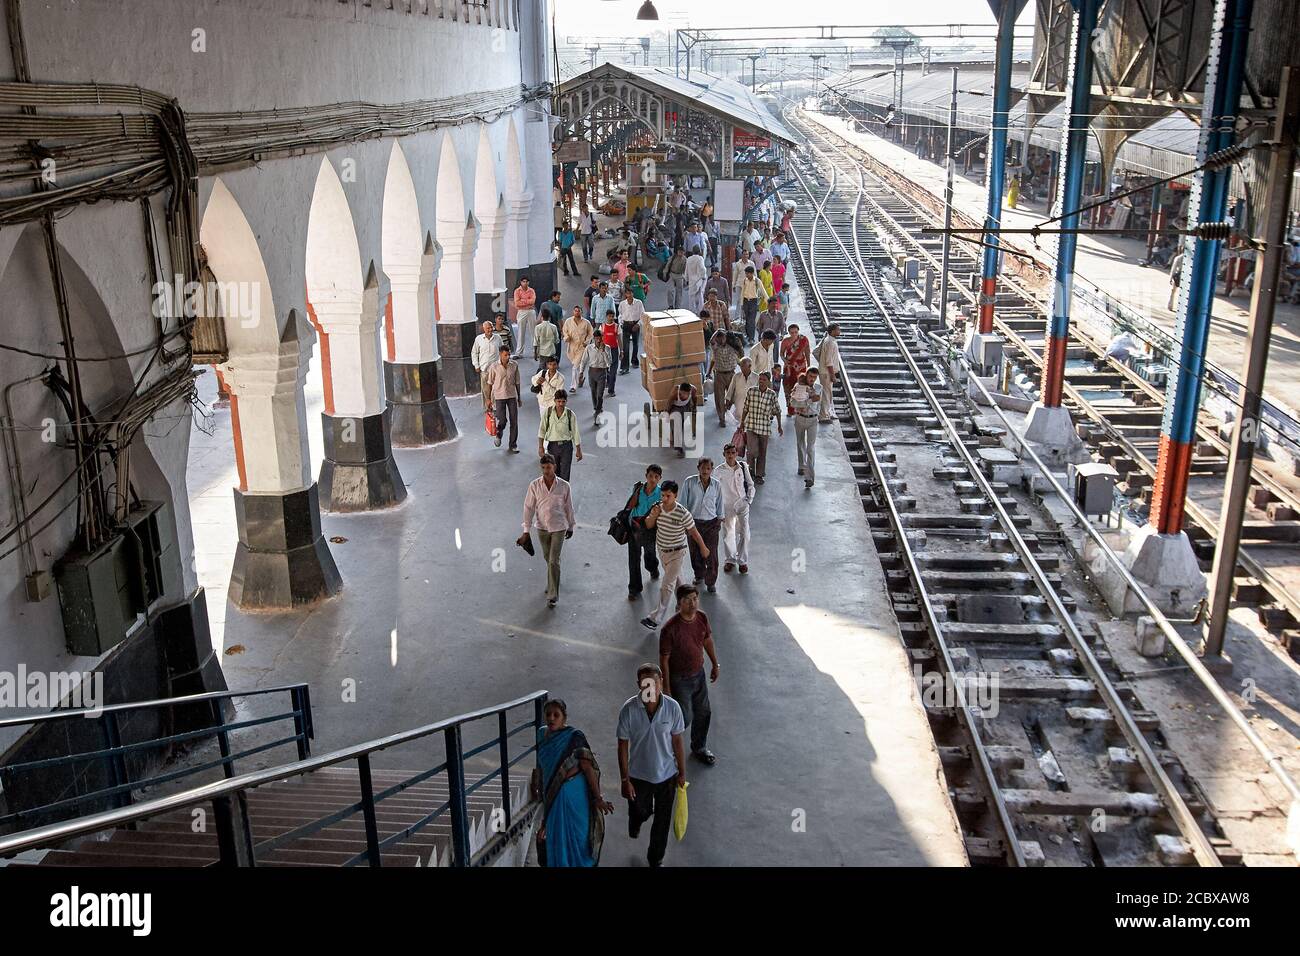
824,753
1111,264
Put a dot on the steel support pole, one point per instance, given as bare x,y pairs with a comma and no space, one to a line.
1006,12
1268,274
1074,151
1225,71
947,207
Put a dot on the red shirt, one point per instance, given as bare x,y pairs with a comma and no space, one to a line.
609,332
683,642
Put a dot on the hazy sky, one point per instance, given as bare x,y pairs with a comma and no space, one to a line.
609,18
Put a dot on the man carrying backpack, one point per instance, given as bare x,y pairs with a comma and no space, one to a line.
558,435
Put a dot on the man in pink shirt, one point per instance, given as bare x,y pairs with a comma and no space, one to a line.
525,300
549,504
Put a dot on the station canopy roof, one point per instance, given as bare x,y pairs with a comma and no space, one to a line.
726,99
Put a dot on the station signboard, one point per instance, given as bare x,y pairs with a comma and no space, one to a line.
743,140
574,151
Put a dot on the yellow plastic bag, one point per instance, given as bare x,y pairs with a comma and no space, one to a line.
679,812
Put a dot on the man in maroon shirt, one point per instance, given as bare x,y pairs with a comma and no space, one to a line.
683,642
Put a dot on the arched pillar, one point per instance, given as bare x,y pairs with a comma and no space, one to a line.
518,204
358,472
490,213
454,291
412,368
282,560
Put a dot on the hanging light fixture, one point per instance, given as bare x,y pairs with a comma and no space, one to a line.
647,11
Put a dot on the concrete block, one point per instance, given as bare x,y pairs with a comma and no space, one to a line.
1052,434
1151,641
1164,565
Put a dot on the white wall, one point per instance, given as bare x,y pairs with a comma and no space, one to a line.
258,54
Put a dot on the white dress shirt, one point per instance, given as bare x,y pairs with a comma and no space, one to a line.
762,359
486,350
631,311
550,509
737,487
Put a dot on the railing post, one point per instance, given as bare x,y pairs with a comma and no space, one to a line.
505,767
234,833
223,739
368,809
116,762
456,800
300,700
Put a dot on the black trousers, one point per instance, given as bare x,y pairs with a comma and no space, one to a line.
508,408
562,452
631,343
693,694
612,377
706,569
566,256
640,547
653,799
596,380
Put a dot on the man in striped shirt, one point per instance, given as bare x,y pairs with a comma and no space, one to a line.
761,406
672,523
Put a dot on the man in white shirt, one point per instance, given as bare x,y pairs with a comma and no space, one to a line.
482,356
781,248
805,397
549,505
762,257
630,312
587,229
744,377
738,276
697,273
738,490
828,360
763,355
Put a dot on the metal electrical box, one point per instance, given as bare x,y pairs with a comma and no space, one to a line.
103,592
1094,487
97,593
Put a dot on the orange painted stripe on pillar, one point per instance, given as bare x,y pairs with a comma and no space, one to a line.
1054,371
988,292
326,373
239,443
1169,493
389,333
437,309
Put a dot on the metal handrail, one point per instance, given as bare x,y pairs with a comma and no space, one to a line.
234,832
114,752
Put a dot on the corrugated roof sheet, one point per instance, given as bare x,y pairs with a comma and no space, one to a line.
714,94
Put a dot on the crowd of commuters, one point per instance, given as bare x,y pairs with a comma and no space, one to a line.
764,373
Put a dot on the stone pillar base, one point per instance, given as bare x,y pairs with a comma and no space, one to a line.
455,344
1052,434
282,560
487,304
359,473
420,416
1164,564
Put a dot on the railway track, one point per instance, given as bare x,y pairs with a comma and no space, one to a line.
1049,755
1119,407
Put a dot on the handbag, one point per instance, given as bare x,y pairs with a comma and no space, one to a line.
525,541
621,526
490,423
738,439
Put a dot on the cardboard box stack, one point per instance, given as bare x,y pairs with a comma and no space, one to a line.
674,351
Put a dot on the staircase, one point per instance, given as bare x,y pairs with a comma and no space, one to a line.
279,808
332,811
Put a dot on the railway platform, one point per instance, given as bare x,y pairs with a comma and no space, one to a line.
824,753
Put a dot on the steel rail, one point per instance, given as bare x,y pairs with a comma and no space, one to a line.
1184,649
1277,590
1173,801
989,780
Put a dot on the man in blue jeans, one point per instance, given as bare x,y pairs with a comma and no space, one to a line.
683,642
651,758
641,542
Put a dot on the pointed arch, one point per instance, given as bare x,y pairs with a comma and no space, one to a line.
235,259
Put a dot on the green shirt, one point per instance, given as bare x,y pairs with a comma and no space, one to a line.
555,427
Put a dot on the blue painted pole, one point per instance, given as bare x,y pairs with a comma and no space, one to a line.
1006,12
1225,72
1074,152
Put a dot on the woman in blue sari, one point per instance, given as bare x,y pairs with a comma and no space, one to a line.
573,827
